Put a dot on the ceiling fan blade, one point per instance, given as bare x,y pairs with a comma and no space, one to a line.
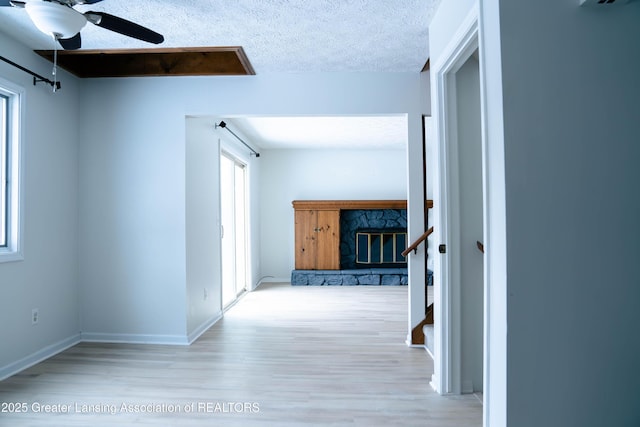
72,43
8,3
122,26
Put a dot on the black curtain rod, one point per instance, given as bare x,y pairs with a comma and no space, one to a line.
224,126
37,78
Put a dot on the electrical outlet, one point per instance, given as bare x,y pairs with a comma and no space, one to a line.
35,316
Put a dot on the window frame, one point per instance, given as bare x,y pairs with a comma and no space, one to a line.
12,250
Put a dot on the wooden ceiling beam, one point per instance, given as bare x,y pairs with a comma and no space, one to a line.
427,66
203,61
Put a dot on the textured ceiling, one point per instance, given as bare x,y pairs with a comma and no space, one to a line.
277,35
294,36
342,132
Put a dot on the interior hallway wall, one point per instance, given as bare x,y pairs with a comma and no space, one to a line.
133,185
571,155
202,217
47,277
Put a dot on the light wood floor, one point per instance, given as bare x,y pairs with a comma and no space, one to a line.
283,356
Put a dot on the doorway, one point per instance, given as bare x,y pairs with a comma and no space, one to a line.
233,217
470,224
459,220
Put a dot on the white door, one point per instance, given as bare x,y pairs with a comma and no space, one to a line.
234,228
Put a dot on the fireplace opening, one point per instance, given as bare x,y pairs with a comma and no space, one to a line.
381,248
373,238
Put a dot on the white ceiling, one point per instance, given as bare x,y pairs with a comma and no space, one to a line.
277,35
291,36
335,132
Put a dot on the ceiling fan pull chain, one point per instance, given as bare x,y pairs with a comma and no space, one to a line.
54,72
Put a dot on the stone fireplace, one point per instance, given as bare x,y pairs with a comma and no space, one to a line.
370,236
373,238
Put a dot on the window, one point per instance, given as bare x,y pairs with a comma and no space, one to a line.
10,110
3,170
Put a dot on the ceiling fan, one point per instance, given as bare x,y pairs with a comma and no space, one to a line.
59,19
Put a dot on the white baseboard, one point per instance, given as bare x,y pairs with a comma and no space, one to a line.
270,279
467,387
37,357
429,353
134,338
414,345
99,337
434,383
203,328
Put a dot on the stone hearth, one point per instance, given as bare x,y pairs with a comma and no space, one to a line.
370,277
367,277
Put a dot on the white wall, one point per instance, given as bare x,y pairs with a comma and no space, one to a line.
202,192
289,175
132,181
571,134
561,173
132,212
47,277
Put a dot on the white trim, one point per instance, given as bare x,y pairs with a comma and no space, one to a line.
495,276
447,356
38,356
428,352
100,337
230,151
16,138
271,279
219,224
204,327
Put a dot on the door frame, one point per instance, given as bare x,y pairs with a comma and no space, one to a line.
229,151
447,378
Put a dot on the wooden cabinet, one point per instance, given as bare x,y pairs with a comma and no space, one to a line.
317,235
317,229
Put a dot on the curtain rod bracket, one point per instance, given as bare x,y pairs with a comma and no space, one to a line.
56,86
223,125
37,78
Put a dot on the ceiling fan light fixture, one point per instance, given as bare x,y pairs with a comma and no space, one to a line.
55,19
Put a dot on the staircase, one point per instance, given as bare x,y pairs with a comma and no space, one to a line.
417,334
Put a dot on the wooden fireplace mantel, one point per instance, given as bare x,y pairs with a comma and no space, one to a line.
331,205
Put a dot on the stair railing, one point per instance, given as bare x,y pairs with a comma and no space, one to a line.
414,245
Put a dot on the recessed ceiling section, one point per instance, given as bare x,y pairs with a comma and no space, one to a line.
207,61
320,132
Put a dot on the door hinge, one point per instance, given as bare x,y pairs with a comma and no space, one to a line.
442,249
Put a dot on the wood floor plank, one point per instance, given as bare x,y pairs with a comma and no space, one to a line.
282,356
